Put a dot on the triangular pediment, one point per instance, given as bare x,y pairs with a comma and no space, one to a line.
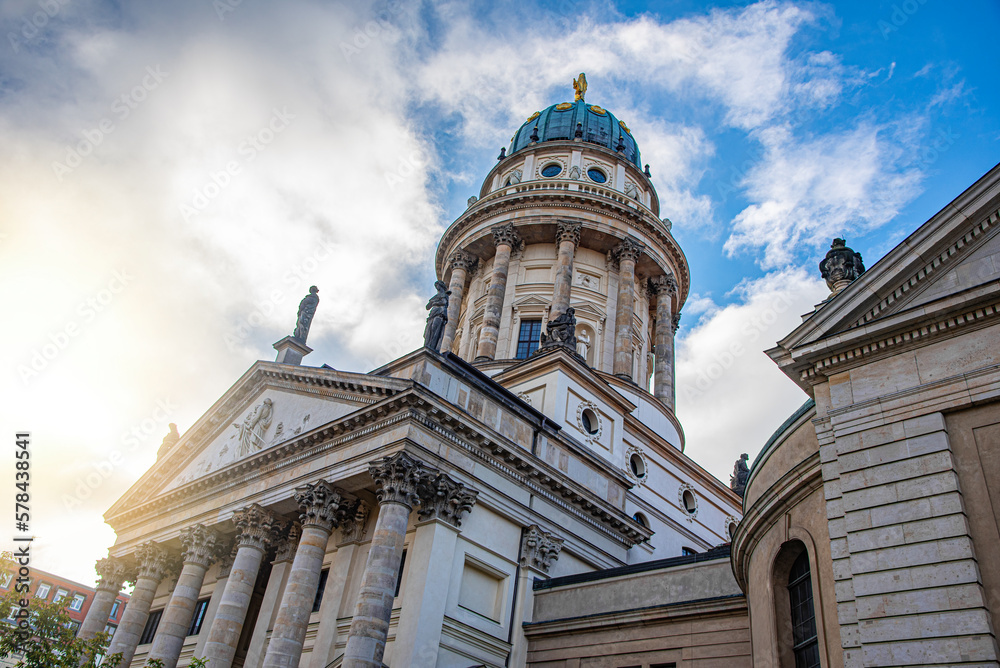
269,405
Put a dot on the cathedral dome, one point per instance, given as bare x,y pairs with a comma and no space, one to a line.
561,121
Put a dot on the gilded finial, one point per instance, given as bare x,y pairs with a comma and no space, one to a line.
580,86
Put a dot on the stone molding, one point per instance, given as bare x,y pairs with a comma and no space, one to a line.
398,479
445,499
539,548
354,522
506,235
113,574
256,527
568,231
628,249
152,561
664,285
318,505
201,545
289,544
462,260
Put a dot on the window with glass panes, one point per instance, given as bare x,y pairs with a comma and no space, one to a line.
800,595
527,339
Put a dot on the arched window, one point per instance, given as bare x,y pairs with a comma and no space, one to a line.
795,613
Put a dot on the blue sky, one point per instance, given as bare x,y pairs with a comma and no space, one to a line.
174,177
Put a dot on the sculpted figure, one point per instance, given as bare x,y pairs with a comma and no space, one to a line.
307,309
255,424
741,473
561,331
437,316
583,344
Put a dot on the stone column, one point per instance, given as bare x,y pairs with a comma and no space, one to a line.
425,598
460,262
539,549
665,288
268,614
113,573
319,504
352,531
398,479
223,567
201,545
567,239
625,254
152,564
505,239
255,525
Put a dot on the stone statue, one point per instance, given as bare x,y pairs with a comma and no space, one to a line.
561,331
307,309
741,473
255,424
168,441
841,266
438,316
583,344
515,177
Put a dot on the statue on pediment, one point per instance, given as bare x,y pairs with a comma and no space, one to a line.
304,318
255,424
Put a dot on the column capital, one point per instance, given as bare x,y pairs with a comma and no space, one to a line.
506,234
539,548
256,527
664,285
113,572
289,543
445,499
460,259
567,230
225,562
201,545
398,479
627,249
152,561
675,322
318,504
353,523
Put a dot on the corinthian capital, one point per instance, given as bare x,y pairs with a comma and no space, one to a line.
506,235
398,478
675,322
289,543
201,545
353,522
445,499
318,504
664,285
629,249
256,526
462,260
539,548
152,561
567,230
113,573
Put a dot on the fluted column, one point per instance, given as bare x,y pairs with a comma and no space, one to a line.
539,549
255,525
152,564
460,262
665,288
201,545
319,512
505,239
567,239
626,254
398,479
113,573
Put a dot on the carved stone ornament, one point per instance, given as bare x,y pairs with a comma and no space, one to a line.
560,331
113,573
462,259
574,172
841,266
152,561
628,249
225,562
353,523
318,504
445,499
437,316
256,527
539,548
473,200
675,322
200,545
506,235
288,544
169,440
741,474
398,478
664,284
251,431
568,231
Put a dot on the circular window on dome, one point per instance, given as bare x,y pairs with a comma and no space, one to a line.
596,175
551,169
637,465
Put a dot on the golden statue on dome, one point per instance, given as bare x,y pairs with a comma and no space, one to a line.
580,86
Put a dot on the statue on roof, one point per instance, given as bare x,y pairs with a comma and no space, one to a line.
438,316
741,473
561,331
304,318
841,266
580,86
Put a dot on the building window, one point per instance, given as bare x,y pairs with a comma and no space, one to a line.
527,340
551,169
597,176
688,551
323,577
198,618
114,608
641,519
800,598
399,575
5,579
77,603
60,595
690,503
43,591
149,631
637,465
110,629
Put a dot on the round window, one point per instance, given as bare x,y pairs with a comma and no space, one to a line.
596,175
551,169
637,465
641,519
589,420
732,530
690,503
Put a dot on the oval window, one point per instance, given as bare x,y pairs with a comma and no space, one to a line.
637,465
597,176
589,420
690,504
732,530
551,169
